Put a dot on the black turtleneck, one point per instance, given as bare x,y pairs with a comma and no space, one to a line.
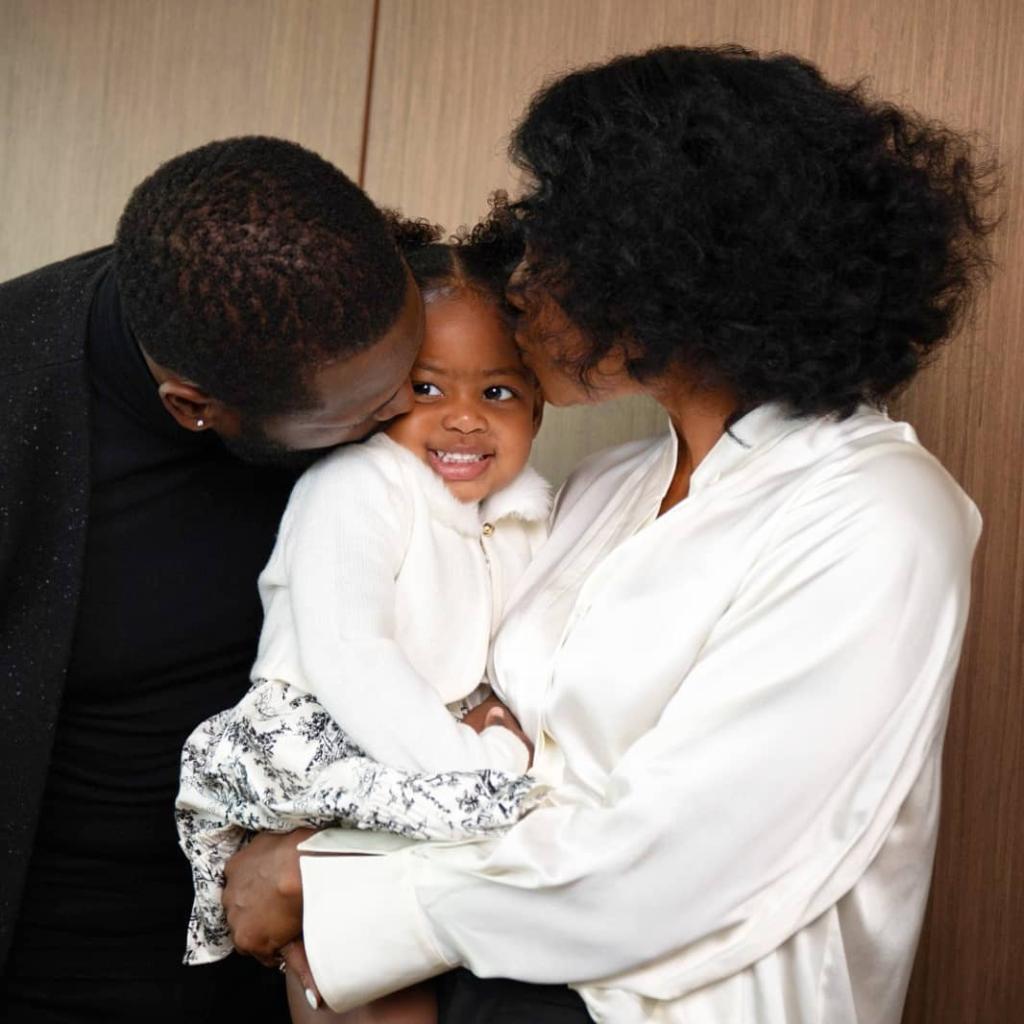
168,622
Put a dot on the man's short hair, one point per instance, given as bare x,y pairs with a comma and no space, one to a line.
247,264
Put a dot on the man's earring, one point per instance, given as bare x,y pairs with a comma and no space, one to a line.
200,424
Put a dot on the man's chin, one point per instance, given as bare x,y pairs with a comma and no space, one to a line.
261,451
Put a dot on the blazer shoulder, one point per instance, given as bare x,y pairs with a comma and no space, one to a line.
44,313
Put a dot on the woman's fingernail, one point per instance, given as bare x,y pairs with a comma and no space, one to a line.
314,1003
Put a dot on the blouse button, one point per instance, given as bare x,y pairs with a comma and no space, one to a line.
488,529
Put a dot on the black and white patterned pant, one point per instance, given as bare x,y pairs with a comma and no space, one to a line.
277,761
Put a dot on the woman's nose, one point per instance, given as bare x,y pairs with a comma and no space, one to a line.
514,289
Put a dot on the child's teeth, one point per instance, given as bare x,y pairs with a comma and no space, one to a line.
458,457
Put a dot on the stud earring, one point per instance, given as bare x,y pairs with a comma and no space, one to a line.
200,424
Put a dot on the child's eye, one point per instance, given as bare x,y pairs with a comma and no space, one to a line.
423,389
499,393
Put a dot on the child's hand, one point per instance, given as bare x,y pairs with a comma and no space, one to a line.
492,712
501,716
476,718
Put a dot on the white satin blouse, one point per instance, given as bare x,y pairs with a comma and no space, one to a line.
740,708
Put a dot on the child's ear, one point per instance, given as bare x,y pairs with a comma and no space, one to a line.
538,409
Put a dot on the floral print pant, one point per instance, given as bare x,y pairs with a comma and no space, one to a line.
277,761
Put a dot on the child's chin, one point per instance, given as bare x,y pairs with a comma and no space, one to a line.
468,490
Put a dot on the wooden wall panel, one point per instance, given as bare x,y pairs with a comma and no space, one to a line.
452,75
96,93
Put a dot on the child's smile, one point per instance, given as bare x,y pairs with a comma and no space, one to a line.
459,463
477,407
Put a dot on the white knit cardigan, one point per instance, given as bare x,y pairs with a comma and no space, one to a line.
381,596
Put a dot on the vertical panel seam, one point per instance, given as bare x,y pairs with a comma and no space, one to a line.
368,94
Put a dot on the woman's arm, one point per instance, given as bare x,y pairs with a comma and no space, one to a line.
768,786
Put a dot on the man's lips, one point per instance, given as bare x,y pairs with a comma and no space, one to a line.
459,464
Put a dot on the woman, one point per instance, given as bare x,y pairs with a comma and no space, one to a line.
735,653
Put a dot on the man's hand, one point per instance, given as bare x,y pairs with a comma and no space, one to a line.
263,894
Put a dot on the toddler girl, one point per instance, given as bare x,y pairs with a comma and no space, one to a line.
392,564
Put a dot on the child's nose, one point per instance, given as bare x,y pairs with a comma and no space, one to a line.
466,418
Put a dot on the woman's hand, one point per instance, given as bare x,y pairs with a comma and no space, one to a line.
300,982
263,894
492,712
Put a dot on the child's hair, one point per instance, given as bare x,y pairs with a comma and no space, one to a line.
479,260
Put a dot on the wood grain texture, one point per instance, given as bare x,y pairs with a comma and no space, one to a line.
452,76
96,93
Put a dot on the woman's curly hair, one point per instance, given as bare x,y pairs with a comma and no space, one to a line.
479,259
744,218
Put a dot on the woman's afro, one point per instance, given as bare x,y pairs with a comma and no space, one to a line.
745,219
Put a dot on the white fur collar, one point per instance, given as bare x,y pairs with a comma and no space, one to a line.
527,497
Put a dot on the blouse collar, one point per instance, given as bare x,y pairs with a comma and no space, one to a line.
743,441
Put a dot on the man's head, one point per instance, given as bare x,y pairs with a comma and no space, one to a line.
268,296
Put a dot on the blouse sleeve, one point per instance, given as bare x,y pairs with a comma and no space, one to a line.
344,536
762,794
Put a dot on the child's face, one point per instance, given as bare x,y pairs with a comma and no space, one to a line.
477,408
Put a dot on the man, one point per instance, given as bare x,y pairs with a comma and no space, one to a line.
252,310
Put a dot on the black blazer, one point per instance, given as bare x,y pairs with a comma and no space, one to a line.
44,500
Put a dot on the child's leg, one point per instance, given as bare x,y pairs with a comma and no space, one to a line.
416,1005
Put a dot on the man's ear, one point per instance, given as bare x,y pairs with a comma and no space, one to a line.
193,409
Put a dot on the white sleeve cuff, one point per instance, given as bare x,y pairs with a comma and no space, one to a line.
364,931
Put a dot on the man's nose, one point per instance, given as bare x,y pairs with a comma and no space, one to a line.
401,402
